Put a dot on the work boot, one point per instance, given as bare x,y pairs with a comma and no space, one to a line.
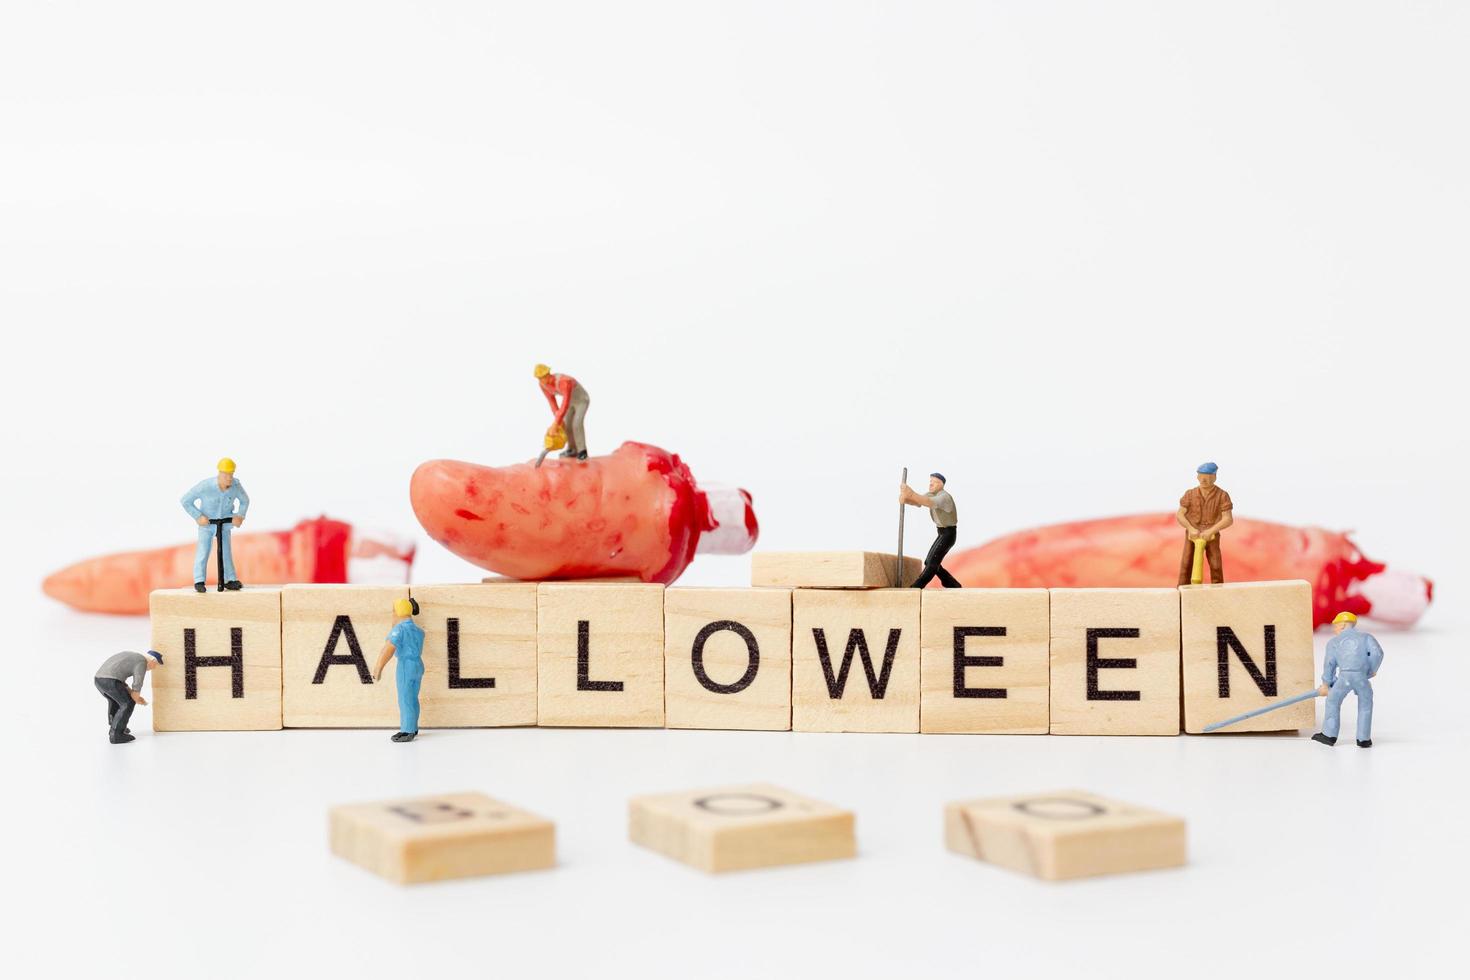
1319,737
220,588
234,585
119,739
198,586
404,736
582,454
1365,743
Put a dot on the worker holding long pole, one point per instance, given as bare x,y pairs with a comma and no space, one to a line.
946,520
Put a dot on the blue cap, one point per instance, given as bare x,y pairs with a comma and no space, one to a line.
939,477
156,655
1207,468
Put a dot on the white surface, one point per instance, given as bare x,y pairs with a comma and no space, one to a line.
1062,252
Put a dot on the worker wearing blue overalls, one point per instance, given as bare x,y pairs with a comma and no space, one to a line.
212,505
1352,658
406,642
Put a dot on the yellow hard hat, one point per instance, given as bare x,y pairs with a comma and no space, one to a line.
542,370
403,607
226,465
1344,617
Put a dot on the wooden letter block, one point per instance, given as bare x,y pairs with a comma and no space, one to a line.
1068,834
431,838
727,658
479,654
221,667
1114,662
600,655
985,661
855,660
828,569
1245,646
330,639
741,827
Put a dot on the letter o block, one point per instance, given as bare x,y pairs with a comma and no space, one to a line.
727,658
221,667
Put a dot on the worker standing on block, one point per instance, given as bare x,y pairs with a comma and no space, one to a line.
212,505
120,679
1353,657
941,508
1204,511
406,642
572,410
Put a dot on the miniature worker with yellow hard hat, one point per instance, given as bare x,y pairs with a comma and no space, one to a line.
212,504
570,414
1353,657
406,642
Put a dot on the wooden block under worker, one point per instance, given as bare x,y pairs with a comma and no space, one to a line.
600,655
1246,645
331,636
221,667
855,660
829,570
1114,662
479,654
727,658
984,661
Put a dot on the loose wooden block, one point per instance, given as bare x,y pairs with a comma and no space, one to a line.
984,661
431,838
727,658
828,569
330,639
221,667
739,827
600,655
501,580
855,660
479,654
1069,834
1246,645
1114,662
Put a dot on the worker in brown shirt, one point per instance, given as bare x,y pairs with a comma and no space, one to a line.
1204,511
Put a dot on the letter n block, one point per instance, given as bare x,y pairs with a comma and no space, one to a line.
1114,661
479,654
330,639
221,666
727,658
1246,645
600,655
985,662
855,660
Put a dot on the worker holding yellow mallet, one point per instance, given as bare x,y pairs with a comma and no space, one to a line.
1204,511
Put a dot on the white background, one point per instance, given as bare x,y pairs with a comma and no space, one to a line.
1061,251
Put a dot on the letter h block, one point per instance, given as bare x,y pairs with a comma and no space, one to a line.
599,655
221,666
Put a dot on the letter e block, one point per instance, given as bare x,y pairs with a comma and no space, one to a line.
221,667
1114,662
727,658
330,639
479,654
855,660
985,661
600,655
1246,645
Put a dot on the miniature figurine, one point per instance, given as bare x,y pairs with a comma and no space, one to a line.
941,508
1204,511
406,642
212,505
122,697
572,411
1353,657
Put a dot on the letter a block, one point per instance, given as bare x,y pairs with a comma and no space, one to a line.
600,655
1114,661
855,660
728,658
985,662
330,639
221,666
1245,646
739,827
1068,834
431,838
479,654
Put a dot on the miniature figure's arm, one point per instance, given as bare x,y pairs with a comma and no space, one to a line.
1329,671
191,495
908,496
383,658
1182,518
244,499
563,388
139,672
1226,519
550,396
1375,655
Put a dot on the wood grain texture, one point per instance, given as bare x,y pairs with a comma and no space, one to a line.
733,828
1272,624
1133,688
828,569
1011,696
866,697
432,838
619,683
739,680
494,638
212,619
360,616
1066,834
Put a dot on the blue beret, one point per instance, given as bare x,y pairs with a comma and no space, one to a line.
1207,468
156,655
939,477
